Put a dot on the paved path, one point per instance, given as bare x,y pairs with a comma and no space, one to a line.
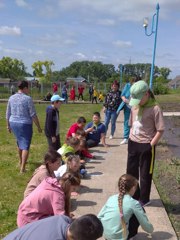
109,165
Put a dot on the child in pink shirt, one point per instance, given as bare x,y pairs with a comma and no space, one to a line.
51,197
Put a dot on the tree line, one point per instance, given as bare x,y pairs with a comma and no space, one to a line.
92,71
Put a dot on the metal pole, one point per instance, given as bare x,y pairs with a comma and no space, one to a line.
154,51
121,71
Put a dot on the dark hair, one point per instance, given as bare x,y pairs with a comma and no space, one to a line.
87,227
151,94
81,120
51,156
23,84
115,83
72,141
97,114
81,132
83,144
125,184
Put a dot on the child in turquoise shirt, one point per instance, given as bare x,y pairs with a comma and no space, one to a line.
117,213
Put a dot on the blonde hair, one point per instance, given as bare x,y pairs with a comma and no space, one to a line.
125,184
70,159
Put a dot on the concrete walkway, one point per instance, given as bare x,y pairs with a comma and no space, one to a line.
105,170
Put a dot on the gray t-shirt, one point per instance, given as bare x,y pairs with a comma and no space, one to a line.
54,228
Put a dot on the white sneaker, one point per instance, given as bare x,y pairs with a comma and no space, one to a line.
125,141
110,137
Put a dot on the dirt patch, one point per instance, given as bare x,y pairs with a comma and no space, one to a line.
168,166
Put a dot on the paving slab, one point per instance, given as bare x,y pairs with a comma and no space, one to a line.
104,172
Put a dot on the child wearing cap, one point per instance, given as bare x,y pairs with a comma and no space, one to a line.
52,122
147,127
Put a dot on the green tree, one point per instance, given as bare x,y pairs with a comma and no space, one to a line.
164,72
12,68
42,69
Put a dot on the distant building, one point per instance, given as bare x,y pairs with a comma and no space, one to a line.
175,83
77,81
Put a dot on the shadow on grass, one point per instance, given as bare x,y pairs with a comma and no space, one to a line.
172,208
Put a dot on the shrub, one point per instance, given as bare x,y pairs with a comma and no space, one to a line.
160,88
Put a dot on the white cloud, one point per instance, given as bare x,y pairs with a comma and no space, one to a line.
21,3
12,51
5,30
106,22
122,44
80,55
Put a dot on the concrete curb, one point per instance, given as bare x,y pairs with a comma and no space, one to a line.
109,165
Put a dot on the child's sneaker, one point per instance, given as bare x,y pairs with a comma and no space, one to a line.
110,137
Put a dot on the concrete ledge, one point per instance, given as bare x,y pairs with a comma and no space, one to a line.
104,172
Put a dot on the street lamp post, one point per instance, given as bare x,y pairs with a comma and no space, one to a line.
121,73
153,30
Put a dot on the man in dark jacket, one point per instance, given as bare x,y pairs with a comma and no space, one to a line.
52,122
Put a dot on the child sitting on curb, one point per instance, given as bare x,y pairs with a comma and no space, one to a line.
52,161
51,197
70,146
72,165
121,215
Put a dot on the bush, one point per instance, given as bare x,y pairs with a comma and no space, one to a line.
160,88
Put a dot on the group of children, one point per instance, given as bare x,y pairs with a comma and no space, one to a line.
49,190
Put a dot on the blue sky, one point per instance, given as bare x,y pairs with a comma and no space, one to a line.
109,31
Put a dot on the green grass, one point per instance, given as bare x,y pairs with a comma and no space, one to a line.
12,183
168,98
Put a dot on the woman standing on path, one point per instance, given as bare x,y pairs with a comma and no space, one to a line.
125,96
112,101
20,114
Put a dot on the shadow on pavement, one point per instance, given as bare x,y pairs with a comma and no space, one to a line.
85,189
83,203
95,173
159,235
155,203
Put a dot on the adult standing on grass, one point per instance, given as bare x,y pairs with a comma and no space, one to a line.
112,101
147,127
20,115
52,122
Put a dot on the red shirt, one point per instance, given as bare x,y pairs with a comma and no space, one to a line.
72,130
80,90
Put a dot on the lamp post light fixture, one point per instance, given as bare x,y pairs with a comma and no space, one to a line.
154,28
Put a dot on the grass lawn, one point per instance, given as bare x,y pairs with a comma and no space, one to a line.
12,183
